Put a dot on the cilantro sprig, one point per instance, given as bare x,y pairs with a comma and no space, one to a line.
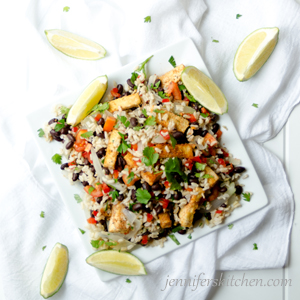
255,246
41,132
56,158
150,121
246,197
114,194
66,8
147,19
60,125
172,61
238,16
173,166
77,198
142,196
42,214
124,121
130,177
173,140
150,156
102,107
155,86
124,146
87,134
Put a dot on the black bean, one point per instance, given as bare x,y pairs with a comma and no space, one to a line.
121,162
120,88
208,216
182,231
101,152
158,209
156,81
52,121
127,94
106,171
178,135
214,118
121,180
101,122
238,189
92,168
133,195
54,133
133,122
224,205
195,106
137,206
63,116
101,135
91,214
156,187
71,137
203,133
57,138
99,199
177,195
75,176
178,178
86,162
120,197
220,155
94,133
130,83
192,178
146,186
160,89
215,128
239,170
142,116
63,166
197,216
85,183
70,145
223,189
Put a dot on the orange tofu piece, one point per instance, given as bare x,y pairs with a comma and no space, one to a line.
180,151
165,220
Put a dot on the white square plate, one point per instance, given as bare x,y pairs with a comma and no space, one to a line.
185,53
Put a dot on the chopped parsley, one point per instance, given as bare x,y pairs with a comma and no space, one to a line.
87,134
181,87
143,64
137,128
203,115
199,166
91,189
238,16
173,165
142,196
172,61
66,9
128,280
215,41
77,198
150,156
147,19
230,226
42,214
56,158
41,132
176,229
130,177
82,231
190,236
159,111
124,120
156,85
114,194
173,140
255,246
246,196
144,111
102,107
123,146
60,125
172,236
44,248
150,121
95,243
64,110
255,105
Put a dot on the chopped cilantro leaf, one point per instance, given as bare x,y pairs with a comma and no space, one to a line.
56,158
212,162
147,19
176,229
173,165
128,280
142,196
150,121
124,120
230,226
91,189
77,198
172,236
199,166
172,61
82,231
137,128
64,110
203,115
190,236
255,105
133,78
162,95
156,85
60,125
150,156
87,134
144,111
41,132
238,16
100,107
66,9
190,97
123,146
246,196
207,176
114,194
255,246
44,248
42,214
181,87
159,111
215,41
173,140
130,177
95,243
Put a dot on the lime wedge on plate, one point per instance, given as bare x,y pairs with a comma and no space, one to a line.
91,96
113,261
204,90
74,45
254,51
55,271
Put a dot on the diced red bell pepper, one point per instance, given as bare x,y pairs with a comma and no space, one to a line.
219,133
75,129
164,202
189,163
144,239
192,118
95,213
219,211
87,155
116,174
72,163
225,153
149,217
167,184
165,100
115,93
165,134
92,220
105,188
222,162
212,151
134,147
80,143
97,192
197,159
204,159
97,118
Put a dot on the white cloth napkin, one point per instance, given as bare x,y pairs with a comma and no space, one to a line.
35,73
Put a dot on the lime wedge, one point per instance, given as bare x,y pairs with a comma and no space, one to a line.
74,45
113,261
254,51
55,271
204,90
91,96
